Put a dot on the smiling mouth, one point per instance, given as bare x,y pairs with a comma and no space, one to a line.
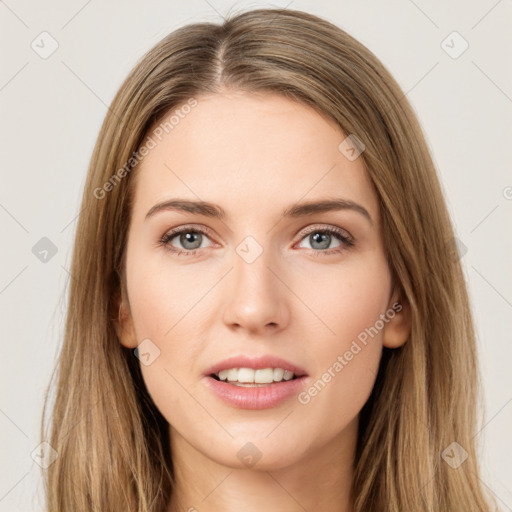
255,388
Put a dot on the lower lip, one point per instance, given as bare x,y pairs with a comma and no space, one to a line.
261,397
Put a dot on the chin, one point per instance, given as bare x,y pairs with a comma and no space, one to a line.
258,451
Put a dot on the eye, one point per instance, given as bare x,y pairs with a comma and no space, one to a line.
190,239
320,239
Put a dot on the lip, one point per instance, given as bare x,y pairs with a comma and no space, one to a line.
255,363
261,397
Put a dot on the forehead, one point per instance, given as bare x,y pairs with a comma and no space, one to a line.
249,151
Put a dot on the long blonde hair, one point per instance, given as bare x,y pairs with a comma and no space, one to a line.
112,442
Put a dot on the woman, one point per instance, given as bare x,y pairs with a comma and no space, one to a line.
215,355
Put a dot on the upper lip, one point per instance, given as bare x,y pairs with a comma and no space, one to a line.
266,361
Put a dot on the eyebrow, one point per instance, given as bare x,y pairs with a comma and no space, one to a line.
298,210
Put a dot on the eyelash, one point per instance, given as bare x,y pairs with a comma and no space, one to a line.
337,232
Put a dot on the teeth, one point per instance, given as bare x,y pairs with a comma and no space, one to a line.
232,374
250,376
264,376
278,374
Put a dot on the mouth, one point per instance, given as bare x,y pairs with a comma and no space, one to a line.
255,395
261,383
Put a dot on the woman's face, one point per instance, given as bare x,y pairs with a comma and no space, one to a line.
287,287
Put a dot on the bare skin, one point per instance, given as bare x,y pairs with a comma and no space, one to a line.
302,299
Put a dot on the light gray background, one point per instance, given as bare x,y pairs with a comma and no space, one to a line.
51,112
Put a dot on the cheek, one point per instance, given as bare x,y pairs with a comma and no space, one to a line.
164,305
335,396
347,343
162,294
343,299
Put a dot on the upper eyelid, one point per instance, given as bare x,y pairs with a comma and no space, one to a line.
180,229
326,227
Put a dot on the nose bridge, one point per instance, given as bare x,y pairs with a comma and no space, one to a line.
251,263
255,297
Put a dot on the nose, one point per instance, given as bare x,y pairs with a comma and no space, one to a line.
256,298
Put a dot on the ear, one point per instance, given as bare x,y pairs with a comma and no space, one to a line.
123,324
398,328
